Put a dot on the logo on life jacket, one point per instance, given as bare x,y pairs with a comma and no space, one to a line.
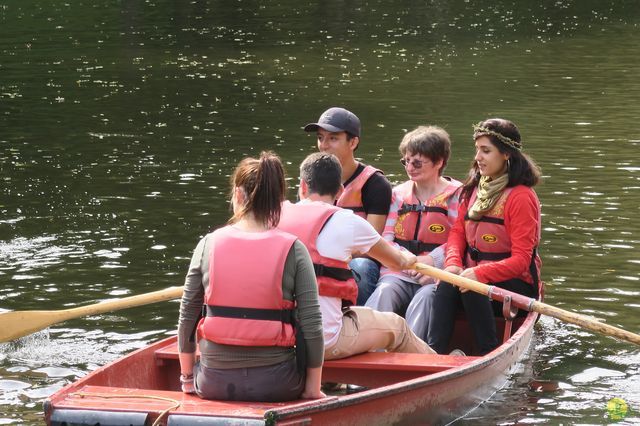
488,238
436,228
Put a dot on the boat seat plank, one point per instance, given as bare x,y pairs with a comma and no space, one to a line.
393,361
388,361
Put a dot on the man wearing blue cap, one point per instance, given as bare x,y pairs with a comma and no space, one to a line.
366,191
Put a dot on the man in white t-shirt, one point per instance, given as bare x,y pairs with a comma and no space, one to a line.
340,234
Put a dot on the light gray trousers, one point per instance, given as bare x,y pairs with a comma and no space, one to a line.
413,301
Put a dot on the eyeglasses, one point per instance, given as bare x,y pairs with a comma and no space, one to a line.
417,164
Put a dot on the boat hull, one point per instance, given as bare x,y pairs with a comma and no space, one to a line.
402,389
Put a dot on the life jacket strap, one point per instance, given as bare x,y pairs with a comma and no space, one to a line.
416,246
421,208
339,274
486,219
477,255
283,315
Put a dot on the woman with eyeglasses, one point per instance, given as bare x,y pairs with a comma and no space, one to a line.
423,210
495,238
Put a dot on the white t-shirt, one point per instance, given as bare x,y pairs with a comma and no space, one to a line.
343,234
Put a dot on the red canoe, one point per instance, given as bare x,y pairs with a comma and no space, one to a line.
142,388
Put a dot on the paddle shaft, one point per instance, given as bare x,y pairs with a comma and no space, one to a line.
528,303
17,324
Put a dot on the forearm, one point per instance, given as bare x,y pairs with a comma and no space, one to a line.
312,384
189,315
190,309
187,360
456,242
391,257
511,267
308,306
315,351
438,256
314,378
192,300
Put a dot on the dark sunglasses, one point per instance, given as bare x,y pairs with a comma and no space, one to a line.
417,164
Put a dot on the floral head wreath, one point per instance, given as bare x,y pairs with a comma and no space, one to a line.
479,130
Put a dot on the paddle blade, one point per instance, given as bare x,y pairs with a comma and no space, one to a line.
22,323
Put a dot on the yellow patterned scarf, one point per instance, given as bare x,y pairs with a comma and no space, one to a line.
489,192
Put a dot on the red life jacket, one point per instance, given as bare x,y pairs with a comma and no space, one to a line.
488,239
244,305
351,198
305,221
421,228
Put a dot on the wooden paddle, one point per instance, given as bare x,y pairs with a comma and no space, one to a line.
528,303
21,323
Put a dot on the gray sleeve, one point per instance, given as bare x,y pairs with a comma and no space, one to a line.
438,256
306,296
193,297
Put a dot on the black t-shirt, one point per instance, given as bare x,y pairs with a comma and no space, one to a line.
376,192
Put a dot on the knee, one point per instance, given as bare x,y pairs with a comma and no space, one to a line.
398,322
447,290
384,287
359,263
425,292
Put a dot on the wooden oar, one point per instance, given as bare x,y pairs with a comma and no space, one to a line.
528,303
21,323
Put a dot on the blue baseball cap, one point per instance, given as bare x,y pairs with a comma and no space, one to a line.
336,120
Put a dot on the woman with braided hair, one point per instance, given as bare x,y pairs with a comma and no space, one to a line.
495,238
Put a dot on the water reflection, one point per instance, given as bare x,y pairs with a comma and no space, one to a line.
565,378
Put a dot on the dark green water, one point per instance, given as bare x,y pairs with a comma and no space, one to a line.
120,123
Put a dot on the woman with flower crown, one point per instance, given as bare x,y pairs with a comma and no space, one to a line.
495,238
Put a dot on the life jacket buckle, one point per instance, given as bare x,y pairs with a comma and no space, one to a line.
407,208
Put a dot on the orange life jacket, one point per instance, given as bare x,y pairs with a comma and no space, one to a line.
351,198
488,239
244,305
305,221
420,228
